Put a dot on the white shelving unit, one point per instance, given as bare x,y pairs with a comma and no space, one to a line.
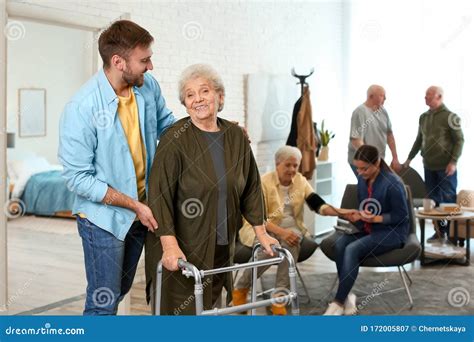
322,183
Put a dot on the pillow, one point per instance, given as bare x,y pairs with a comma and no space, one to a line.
30,166
34,164
14,169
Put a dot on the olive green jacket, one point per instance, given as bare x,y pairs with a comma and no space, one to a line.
183,196
439,138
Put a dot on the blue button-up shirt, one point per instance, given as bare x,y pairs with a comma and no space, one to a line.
94,150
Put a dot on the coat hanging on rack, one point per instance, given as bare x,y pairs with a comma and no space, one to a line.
294,124
302,133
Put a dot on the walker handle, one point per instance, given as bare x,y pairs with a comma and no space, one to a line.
185,267
181,263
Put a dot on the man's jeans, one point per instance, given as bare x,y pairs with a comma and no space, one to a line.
441,189
110,265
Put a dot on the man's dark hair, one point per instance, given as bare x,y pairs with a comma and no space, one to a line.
120,39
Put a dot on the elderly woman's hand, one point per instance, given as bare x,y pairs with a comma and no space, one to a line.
171,253
266,240
352,215
290,237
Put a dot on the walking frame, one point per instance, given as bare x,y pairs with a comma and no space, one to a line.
189,270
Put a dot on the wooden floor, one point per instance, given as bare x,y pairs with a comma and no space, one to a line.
45,263
46,272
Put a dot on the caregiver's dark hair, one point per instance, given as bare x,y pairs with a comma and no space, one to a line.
370,154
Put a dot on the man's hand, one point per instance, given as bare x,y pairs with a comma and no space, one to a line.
145,216
406,164
171,254
450,169
290,237
357,142
244,130
395,165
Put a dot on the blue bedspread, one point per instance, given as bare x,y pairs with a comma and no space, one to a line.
46,193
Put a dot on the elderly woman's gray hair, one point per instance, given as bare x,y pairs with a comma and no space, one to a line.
286,152
204,71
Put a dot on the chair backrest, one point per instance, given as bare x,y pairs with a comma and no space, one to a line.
349,201
465,198
413,179
411,211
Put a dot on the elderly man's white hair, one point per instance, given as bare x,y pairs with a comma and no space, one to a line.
374,88
286,152
437,89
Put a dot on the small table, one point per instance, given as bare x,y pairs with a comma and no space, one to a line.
455,218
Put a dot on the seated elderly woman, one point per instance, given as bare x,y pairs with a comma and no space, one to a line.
285,191
203,180
382,221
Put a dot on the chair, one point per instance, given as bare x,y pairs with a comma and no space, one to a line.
308,247
465,198
397,257
417,186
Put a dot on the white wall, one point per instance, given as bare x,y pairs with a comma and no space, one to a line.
44,56
252,37
240,38
403,45
406,46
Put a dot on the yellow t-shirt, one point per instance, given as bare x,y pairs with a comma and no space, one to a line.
128,115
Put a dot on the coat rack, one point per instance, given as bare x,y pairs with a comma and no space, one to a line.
302,78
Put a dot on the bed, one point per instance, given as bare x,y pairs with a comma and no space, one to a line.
37,188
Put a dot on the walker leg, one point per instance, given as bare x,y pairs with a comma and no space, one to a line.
198,297
253,299
159,276
295,311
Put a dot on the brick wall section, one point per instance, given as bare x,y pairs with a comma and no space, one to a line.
237,38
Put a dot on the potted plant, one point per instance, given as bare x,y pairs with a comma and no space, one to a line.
325,137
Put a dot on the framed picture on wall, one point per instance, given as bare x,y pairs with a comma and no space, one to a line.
31,112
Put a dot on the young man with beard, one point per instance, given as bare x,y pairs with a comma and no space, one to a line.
108,136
